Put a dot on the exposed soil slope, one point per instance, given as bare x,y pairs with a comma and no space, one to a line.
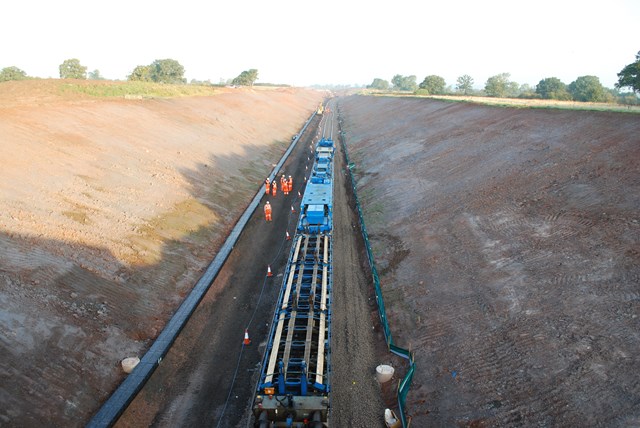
110,211
509,243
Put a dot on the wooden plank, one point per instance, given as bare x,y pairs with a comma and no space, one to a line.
274,350
276,341
292,272
323,307
294,313
310,320
325,263
320,361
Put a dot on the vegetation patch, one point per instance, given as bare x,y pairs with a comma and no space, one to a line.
136,89
80,217
186,217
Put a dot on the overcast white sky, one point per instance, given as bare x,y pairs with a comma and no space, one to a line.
302,42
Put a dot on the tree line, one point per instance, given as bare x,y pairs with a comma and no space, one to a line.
160,71
584,88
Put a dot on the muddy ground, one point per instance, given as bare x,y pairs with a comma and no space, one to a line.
509,246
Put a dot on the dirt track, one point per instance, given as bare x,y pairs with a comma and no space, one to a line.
509,241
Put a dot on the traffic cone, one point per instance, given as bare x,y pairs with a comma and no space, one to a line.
269,271
246,340
293,210
299,195
288,237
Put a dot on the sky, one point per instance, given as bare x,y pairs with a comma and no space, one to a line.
342,42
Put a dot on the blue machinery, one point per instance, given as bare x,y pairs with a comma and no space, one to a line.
294,382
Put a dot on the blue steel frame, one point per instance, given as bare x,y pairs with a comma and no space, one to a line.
291,366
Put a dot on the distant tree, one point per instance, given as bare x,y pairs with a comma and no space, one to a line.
141,73
404,83
72,69
630,76
513,89
95,75
379,84
526,91
588,89
167,71
246,78
552,88
201,82
434,85
498,85
12,73
464,84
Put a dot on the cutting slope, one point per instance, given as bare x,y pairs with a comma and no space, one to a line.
508,241
111,208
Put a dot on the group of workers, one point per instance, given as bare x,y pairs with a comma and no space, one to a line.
285,184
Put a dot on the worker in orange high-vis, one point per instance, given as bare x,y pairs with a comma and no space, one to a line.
274,188
267,211
284,184
267,185
290,184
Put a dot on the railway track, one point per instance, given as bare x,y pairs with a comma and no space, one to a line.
294,386
208,376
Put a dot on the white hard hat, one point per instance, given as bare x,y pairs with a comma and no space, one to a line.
267,202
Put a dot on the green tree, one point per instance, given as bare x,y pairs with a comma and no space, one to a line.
588,89
464,84
72,69
95,75
379,84
141,73
404,83
552,88
167,71
526,91
246,78
433,84
12,73
499,85
630,76
513,90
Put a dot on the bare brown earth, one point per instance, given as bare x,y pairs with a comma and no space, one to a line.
507,239
111,209
509,245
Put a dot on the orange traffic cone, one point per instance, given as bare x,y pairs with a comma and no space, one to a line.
288,237
269,271
246,340
293,210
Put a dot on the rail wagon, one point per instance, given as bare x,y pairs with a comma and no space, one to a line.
294,386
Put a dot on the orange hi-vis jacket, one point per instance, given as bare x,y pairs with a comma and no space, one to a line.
267,211
267,185
274,188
